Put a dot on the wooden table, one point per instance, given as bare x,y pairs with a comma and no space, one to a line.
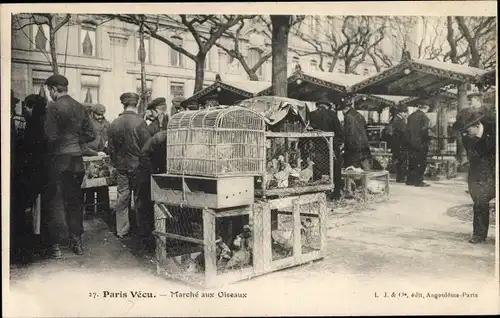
365,176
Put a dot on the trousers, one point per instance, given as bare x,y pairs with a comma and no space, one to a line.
63,198
400,159
417,162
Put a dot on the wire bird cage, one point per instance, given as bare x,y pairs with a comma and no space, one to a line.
216,142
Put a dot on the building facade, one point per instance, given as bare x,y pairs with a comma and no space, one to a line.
101,60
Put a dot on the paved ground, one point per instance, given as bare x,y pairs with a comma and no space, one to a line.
415,242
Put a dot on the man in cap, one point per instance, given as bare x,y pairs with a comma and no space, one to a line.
66,129
176,105
127,135
356,148
477,128
397,143
97,147
418,136
157,115
324,119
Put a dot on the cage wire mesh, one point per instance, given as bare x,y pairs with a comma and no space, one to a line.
296,162
310,227
282,235
186,260
216,142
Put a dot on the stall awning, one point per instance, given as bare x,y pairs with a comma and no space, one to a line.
449,96
227,92
376,102
317,85
416,78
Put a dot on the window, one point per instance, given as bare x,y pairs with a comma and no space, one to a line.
88,40
223,62
313,25
208,61
90,89
41,37
233,65
176,89
38,82
38,85
254,56
295,62
149,89
366,72
314,65
147,51
176,57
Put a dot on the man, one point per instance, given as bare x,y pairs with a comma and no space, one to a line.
66,129
417,135
396,138
324,119
97,147
356,148
176,105
157,115
478,130
127,135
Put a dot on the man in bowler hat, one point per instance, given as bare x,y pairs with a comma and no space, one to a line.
477,128
157,115
418,136
325,119
397,142
127,134
66,127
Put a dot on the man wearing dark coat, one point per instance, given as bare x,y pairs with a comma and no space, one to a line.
396,138
325,119
157,118
477,127
418,136
356,148
66,127
97,147
127,134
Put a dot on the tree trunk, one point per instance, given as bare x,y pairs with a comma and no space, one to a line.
462,103
142,57
442,123
53,52
253,76
281,29
199,72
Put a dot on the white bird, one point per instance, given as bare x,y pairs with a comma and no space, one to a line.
296,171
306,174
282,176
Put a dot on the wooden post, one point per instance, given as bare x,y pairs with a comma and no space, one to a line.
322,223
267,252
330,156
161,241
209,248
258,238
297,238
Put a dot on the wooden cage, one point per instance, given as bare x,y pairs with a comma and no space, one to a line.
213,247
216,142
296,163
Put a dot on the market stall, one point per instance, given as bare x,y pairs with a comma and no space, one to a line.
227,92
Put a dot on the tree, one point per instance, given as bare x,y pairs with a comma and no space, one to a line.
281,25
54,22
205,29
341,38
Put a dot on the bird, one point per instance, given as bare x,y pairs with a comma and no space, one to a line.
272,168
296,171
306,174
242,255
282,175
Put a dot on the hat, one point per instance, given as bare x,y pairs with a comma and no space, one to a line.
324,103
13,98
160,101
402,108
34,99
129,98
474,94
466,118
56,80
99,109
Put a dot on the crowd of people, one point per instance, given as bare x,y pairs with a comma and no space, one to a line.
48,150
49,141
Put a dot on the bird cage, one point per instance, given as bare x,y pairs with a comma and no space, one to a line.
216,142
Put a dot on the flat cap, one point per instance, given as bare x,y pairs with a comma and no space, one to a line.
466,118
160,101
56,80
99,109
13,98
324,102
129,97
474,94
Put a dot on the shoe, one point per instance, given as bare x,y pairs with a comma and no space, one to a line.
410,183
400,181
124,236
422,184
76,245
55,252
476,240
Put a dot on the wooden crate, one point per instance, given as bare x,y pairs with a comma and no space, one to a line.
176,247
202,192
365,176
98,172
444,169
266,218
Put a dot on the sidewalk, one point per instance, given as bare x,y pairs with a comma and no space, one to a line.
419,236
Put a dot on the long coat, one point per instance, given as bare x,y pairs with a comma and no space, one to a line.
101,137
356,140
397,139
127,134
417,131
482,155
